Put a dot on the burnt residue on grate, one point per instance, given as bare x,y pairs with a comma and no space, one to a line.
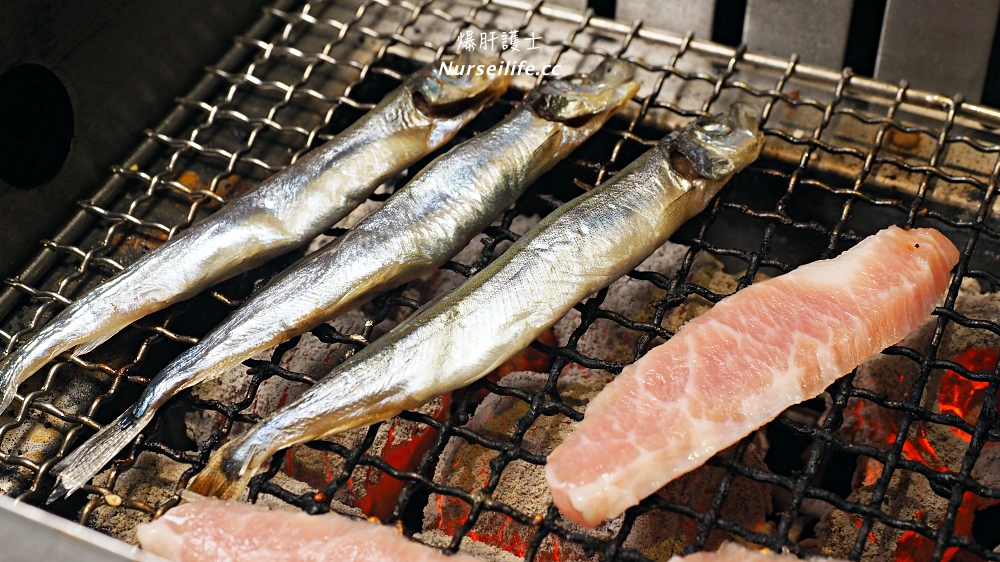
893,462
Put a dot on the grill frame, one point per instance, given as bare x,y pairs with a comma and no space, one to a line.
936,117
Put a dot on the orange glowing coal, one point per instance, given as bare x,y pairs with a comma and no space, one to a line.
509,535
961,396
917,449
380,497
857,523
957,395
921,450
381,491
914,547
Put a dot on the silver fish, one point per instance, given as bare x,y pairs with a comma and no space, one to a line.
286,211
416,230
577,250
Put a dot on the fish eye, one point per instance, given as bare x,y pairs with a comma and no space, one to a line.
716,128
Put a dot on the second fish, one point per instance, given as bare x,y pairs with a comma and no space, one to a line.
419,228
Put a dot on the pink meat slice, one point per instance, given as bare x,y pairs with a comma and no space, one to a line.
229,531
738,366
731,552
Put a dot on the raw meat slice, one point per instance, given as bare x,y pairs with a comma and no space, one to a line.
732,552
230,531
739,365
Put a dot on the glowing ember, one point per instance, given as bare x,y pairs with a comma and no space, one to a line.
957,395
921,450
961,396
872,470
918,449
857,523
380,497
510,535
914,547
374,492
933,445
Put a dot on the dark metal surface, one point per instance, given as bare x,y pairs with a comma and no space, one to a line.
815,29
678,16
941,45
834,170
122,63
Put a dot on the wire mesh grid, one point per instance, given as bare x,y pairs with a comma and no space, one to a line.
844,158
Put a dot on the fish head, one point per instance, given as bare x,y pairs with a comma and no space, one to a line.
584,102
718,146
455,91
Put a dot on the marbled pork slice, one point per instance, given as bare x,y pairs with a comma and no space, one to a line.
732,552
230,531
736,367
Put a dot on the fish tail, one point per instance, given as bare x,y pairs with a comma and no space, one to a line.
81,465
228,471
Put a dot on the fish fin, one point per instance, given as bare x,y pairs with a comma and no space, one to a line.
88,459
88,346
57,492
215,479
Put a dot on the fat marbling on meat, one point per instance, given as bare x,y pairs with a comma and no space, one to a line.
230,531
738,366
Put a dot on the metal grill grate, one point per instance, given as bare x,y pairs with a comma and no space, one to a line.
845,157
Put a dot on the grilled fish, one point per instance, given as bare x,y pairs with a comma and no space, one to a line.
415,231
575,251
283,213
